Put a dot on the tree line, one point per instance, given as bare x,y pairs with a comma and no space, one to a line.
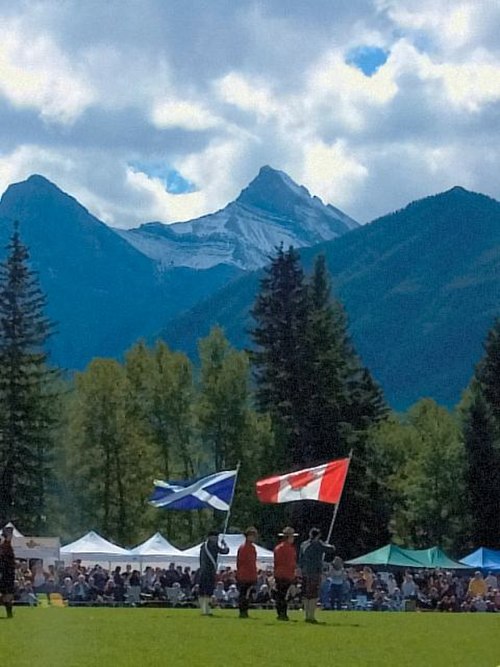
81,452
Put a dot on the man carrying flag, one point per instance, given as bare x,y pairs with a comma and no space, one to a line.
311,556
209,552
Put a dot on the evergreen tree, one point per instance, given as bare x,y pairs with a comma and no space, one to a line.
321,399
488,371
27,393
482,471
280,358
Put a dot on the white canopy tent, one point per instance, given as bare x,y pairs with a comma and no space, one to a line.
93,547
233,541
158,551
15,532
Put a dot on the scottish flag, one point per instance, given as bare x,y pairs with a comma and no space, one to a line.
213,491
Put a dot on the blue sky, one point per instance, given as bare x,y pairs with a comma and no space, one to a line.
165,110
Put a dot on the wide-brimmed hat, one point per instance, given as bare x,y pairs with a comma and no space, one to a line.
286,532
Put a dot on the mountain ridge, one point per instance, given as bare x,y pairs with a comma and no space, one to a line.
402,278
272,209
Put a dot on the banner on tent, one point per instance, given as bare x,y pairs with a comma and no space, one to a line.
42,548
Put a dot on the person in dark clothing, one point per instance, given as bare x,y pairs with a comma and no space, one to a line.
7,571
209,552
312,553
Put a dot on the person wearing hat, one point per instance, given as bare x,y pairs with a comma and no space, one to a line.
285,565
246,570
312,553
7,570
209,552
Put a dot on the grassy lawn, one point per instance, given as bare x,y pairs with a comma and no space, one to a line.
157,637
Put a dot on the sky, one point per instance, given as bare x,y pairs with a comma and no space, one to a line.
165,109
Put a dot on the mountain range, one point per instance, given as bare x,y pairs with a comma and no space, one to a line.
421,286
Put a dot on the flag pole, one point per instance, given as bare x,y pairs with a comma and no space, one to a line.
228,513
337,505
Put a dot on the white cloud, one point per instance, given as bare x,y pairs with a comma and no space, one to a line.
183,114
34,73
331,172
215,91
253,96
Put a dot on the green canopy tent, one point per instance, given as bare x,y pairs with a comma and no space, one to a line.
390,555
434,558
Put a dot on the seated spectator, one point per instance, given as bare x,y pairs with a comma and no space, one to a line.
233,595
477,586
80,592
409,588
67,588
263,597
380,601
396,600
27,594
491,581
219,597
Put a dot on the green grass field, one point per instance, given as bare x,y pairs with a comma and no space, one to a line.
157,637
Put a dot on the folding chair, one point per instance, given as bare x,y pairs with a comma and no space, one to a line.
42,600
57,600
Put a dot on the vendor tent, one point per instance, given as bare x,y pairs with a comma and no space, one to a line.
93,547
159,550
390,555
483,559
15,532
434,558
234,541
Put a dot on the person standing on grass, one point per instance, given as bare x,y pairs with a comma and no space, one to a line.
312,553
209,552
7,571
246,570
285,566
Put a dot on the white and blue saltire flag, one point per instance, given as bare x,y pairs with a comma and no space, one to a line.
213,491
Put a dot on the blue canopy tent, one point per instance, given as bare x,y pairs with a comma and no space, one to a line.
483,559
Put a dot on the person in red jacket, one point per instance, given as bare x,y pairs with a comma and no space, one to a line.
246,570
285,565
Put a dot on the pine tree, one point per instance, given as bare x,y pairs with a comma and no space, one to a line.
321,399
27,393
488,371
482,472
280,359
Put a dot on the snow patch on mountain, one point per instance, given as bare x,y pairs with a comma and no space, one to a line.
271,210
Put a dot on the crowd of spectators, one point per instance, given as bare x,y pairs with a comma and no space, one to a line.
342,588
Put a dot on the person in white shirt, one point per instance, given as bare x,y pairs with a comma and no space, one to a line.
491,581
409,588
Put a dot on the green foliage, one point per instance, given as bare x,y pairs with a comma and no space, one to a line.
423,458
481,417
27,394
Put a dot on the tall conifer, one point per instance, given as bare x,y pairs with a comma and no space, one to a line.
26,393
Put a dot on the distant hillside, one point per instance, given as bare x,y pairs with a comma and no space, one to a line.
421,288
102,293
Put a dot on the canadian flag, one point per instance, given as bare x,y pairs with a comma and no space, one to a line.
324,483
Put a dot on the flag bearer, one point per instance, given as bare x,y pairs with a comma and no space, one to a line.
7,570
246,570
285,565
210,549
311,556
